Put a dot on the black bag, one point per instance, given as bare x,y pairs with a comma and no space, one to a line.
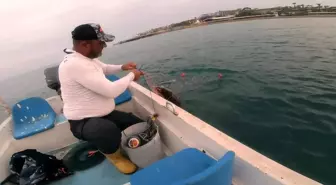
30,167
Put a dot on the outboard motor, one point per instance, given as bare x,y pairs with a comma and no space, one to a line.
52,80
51,76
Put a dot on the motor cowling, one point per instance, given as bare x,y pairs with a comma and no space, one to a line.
51,77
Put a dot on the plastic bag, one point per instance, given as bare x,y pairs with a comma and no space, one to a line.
30,167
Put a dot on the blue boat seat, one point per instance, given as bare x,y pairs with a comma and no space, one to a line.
123,97
188,166
31,116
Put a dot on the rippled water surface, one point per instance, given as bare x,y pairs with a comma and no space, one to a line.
277,94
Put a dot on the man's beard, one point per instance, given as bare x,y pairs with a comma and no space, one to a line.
93,54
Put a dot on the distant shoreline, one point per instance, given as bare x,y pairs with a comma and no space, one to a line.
232,20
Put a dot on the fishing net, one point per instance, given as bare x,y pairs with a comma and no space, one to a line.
173,86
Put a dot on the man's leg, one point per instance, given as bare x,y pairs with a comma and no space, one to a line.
106,136
122,119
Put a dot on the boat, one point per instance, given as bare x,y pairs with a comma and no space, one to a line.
179,131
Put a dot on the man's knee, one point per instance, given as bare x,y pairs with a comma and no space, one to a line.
103,133
111,133
123,120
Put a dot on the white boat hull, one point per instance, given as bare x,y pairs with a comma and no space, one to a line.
177,132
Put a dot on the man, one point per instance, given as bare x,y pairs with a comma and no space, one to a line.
89,97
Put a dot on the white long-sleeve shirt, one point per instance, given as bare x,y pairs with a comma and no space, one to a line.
86,92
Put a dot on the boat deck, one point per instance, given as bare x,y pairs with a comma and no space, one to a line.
103,174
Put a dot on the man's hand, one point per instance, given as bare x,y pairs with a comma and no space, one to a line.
137,74
128,66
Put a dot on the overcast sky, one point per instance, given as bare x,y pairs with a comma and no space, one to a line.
33,29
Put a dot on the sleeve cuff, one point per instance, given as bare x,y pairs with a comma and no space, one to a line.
131,75
120,66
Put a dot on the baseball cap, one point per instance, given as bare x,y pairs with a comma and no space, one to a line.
91,31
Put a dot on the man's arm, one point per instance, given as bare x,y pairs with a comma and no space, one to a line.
110,68
90,78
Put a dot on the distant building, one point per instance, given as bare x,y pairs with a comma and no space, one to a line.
203,17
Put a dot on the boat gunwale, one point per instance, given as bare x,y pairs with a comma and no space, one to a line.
260,162
266,165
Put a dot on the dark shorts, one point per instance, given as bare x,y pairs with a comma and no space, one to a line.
104,132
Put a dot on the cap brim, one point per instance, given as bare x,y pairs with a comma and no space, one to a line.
107,37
